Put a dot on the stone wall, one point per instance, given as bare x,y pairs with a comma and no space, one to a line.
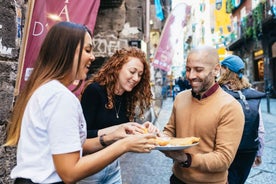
11,16
115,27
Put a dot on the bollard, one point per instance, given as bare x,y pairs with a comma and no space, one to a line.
267,102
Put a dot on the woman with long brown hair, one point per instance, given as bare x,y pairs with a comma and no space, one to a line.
47,122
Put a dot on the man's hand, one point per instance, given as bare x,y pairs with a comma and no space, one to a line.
177,155
258,161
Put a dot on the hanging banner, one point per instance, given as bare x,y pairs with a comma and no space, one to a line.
41,16
158,10
172,34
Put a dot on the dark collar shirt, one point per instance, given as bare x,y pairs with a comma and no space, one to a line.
209,92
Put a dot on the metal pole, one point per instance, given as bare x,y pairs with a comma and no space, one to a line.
267,102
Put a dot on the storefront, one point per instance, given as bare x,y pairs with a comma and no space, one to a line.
260,57
258,61
269,46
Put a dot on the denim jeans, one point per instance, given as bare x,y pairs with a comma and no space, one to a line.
109,175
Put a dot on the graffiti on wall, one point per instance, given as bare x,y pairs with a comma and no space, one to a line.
18,24
106,45
8,40
3,49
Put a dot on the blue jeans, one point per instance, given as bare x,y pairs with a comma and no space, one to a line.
241,166
111,174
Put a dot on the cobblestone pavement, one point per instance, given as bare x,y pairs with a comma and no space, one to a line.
155,168
149,168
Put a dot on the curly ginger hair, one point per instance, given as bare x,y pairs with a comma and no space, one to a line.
107,76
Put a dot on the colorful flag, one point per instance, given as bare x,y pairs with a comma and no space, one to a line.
171,36
158,10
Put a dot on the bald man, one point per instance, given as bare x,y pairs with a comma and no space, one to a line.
208,112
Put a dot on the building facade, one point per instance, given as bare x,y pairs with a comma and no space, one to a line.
253,39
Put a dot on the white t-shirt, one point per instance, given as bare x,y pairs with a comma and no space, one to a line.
53,123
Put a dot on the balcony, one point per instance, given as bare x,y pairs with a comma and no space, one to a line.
251,26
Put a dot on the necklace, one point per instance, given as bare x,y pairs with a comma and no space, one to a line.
117,112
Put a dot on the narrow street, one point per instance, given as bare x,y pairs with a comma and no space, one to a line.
155,168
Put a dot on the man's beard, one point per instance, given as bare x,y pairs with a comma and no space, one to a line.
206,83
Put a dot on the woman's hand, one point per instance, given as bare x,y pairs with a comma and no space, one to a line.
120,132
128,128
151,128
125,129
134,128
140,143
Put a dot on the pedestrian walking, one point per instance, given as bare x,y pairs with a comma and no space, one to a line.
251,147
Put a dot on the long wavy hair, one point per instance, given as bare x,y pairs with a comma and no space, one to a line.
55,61
107,76
232,80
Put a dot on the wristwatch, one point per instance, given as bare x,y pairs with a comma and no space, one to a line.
186,163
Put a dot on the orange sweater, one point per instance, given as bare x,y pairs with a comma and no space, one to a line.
218,120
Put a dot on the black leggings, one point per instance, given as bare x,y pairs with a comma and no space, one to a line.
28,181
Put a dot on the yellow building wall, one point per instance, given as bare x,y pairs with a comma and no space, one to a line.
222,19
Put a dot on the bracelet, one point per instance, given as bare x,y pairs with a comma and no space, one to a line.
102,141
188,162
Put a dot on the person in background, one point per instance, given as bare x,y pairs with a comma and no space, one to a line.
176,88
47,122
186,84
208,112
183,83
251,147
113,96
180,82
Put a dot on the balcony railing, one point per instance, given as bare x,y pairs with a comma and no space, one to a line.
251,25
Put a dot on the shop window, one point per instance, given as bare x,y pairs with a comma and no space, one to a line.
273,49
261,69
259,65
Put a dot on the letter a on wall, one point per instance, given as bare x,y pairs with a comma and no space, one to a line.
41,16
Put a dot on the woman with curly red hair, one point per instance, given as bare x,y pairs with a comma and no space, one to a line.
119,93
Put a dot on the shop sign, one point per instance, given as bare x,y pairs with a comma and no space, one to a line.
258,53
